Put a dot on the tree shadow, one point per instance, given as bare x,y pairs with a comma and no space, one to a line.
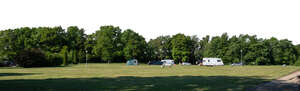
277,85
55,66
17,74
129,83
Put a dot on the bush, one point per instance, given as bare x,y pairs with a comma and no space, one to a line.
31,58
54,59
297,63
74,57
64,54
57,59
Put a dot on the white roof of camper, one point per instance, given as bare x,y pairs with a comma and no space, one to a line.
211,58
167,60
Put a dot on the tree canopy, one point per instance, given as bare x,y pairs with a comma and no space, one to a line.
108,43
111,44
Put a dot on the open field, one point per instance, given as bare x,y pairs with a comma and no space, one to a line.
143,77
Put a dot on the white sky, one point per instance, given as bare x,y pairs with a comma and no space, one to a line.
152,18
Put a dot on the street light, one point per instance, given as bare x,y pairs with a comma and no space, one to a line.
242,56
247,40
86,58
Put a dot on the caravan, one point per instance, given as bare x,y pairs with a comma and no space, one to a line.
212,61
167,63
132,62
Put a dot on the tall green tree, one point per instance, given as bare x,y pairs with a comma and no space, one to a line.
180,48
134,45
49,39
193,44
64,53
90,43
232,54
202,46
108,44
298,50
75,40
161,47
284,52
6,45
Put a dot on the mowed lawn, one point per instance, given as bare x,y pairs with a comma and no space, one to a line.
111,77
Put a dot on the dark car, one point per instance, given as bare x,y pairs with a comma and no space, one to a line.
155,63
7,63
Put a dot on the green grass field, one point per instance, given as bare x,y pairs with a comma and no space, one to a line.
111,77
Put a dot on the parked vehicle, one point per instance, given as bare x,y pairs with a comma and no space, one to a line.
167,63
212,61
155,63
7,63
132,62
237,64
186,63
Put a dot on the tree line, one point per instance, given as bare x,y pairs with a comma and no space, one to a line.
58,46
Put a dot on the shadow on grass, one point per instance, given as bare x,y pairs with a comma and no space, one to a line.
17,74
125,83
57,66
277,85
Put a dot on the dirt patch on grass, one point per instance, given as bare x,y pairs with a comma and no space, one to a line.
289,82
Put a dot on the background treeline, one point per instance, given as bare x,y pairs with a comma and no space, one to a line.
55,46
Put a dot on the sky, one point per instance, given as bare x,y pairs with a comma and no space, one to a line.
153,18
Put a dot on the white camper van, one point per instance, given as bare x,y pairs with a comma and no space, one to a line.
212,61
168,61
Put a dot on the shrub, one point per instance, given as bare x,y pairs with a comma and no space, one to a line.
57,59
297,63
54,59
31,58
74,56
64,54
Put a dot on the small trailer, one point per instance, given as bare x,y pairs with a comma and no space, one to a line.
212,61
132,62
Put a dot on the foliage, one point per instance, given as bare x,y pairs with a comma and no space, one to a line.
297,63
75,39
180,48
110,44
54,59
201,48
160,48
49,39
64,53
31,58
134,45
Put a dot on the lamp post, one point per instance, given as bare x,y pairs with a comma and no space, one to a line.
86,58
242,56
247,41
